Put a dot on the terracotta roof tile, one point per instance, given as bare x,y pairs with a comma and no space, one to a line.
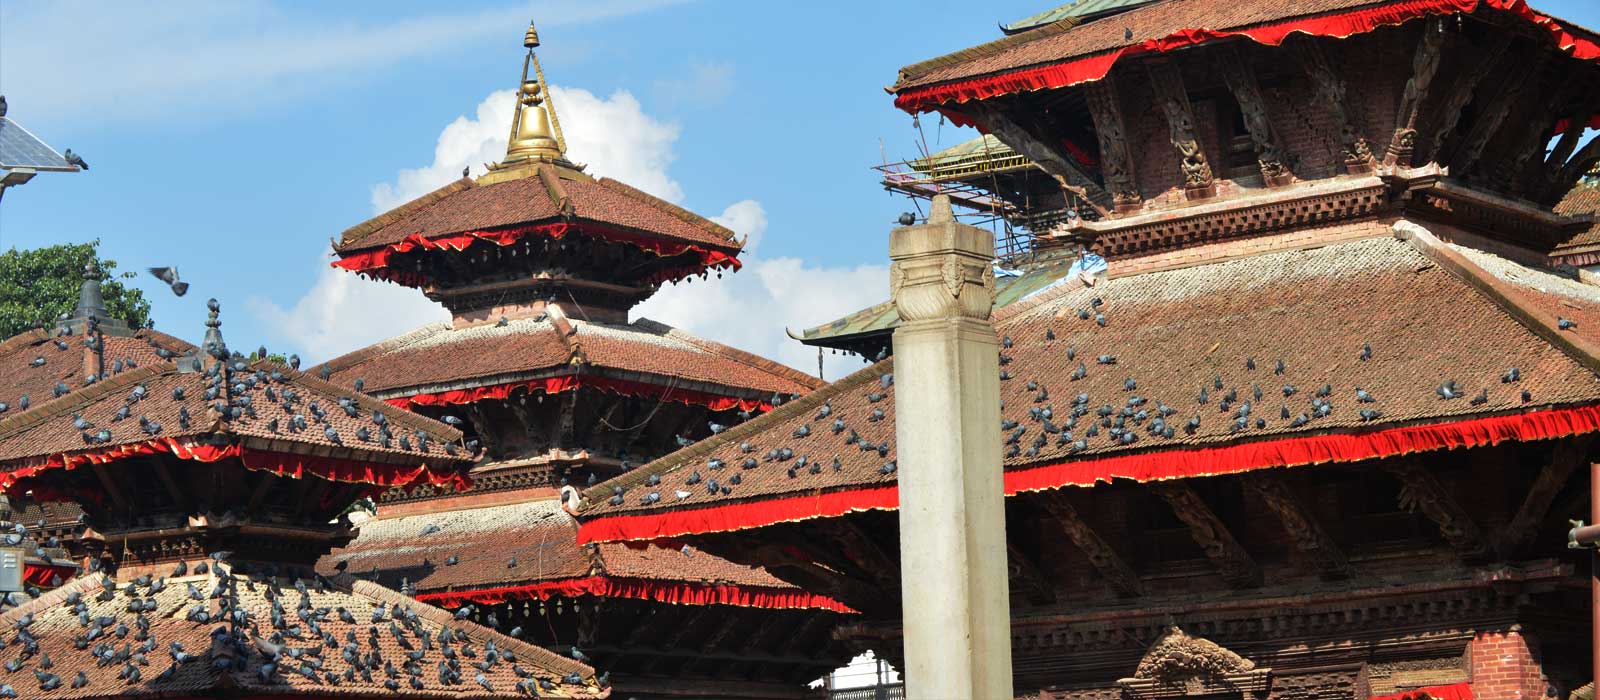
49,428
19,376
467,206
1582,200
1174,333
55,625
488,354
539,535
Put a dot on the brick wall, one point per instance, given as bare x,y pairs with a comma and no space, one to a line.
1506,666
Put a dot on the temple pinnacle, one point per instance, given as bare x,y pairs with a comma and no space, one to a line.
535,131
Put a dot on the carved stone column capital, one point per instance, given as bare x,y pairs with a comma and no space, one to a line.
941,269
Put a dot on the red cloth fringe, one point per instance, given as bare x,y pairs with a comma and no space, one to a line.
556,385
40,574
1090,68
1141,468
1454,691
282,464
375,263
676,592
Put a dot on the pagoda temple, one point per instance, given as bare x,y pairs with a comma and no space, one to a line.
209,486
539,263
1318,429
81,348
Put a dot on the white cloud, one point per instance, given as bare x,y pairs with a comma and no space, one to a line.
342,312
612,137
185,58
749,309
752,308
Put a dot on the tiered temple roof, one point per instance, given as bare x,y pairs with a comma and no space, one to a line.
1168,386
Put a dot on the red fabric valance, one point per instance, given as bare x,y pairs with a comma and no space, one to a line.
376,262
1454,691
1342,24
40,574
283,464
676,592
1141,468
569,382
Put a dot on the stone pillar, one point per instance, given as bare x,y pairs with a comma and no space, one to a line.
947,430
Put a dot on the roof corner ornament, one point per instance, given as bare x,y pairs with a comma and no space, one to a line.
535,131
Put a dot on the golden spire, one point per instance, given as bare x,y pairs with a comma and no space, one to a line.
535,131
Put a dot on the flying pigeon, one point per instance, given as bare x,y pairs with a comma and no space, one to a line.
170,276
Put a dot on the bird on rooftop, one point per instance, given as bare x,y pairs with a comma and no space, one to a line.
907,218
466,170
75,159
1127,33
3,109
169,275
1565,324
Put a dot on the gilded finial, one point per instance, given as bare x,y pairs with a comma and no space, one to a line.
535,131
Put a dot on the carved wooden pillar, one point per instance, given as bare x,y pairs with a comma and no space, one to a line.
1461,90
1116,165
1330,91
1241,80
1424,65
1198,182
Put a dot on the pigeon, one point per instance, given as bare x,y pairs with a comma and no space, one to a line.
1363,397
294,362
75,159
907,218
430,529
170,276
1366,351
1127,33
1448,390
1511,375
1565,324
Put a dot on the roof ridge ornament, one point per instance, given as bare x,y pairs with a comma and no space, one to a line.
535,131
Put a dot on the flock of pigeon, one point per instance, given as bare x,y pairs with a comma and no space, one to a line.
1035,426
234,623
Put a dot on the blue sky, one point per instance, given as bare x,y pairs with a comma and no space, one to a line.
233,140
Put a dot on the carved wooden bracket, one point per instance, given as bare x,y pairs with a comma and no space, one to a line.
1302,527
1235,565
1565,459
1421,491
1330,90
1121,577
1116,165
1424,65
1504,94
1017,131
1462,88
1241,79
1198,182
1033,583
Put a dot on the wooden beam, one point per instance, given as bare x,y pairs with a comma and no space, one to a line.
1241,80
1565,459
113,488
179,496
1462,87
803,633
1556,162
1421,491
864,598
863,551
1235,565
1303,528
1034,584
1502,95
1330,92
1116,164
264,484
1117,573
1016,131
657,619
1424,65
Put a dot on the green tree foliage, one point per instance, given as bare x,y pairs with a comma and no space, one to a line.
37,286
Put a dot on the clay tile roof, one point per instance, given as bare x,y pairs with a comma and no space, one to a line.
489,354
465,205
1431,313
20,377
538,535
48,429
54,624
1582,200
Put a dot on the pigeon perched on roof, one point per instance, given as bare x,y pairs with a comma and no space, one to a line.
169,275
75,159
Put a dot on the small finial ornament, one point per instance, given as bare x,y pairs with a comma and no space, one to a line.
535,131
213,343
531,39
